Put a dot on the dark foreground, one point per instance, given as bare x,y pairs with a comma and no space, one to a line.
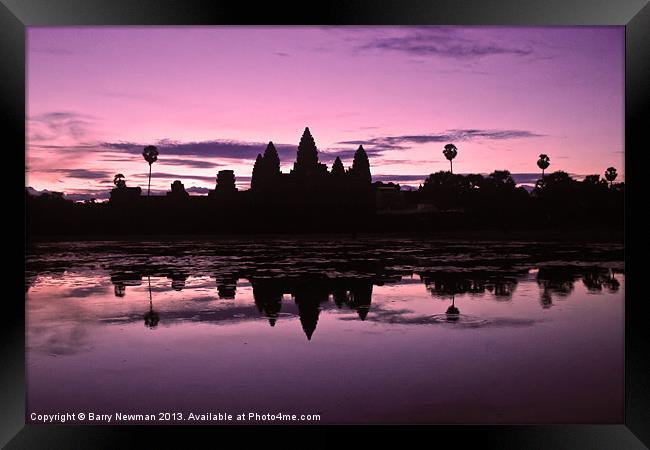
340,330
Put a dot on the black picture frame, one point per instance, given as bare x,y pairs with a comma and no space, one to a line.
16,15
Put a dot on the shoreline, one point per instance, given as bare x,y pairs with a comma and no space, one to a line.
547,235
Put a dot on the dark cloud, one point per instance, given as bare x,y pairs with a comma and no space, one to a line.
444,43
88,147
85,174
526,178
380,144
330,155
182,152
194,163
218,148
198,190
175,176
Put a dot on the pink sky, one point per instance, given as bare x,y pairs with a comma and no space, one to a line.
212,97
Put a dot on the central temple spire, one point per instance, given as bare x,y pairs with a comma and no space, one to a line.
307,158
307,152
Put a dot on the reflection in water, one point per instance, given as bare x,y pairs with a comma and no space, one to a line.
123,279
386,318
227,286
151,317
310,292
555,281
453,313
178,281
595,279
268,299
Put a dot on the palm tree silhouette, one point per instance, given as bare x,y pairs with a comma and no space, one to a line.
119,181
543,162
610,175
150,154
450,153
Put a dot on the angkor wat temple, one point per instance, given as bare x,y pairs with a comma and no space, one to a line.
311,198
304,184
309,187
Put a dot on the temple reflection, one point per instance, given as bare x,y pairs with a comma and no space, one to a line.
308,294
226,286
178,280
122,279
312,292
267,294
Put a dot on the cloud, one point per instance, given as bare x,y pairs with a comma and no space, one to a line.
86,147
175,176
194,163
198,190
218,148
182,152
526,178
56,124
444,43
380,144
84,174
329,155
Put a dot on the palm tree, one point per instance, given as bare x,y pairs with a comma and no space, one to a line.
119,181
150,154
543,162
610,175
450,153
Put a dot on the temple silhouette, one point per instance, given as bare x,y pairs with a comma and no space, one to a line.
313,198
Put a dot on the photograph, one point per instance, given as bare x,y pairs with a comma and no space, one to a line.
244,225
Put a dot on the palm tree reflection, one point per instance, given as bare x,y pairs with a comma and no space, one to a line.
151,317
453,313
596,279
555,282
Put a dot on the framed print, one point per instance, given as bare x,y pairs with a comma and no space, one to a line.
368,216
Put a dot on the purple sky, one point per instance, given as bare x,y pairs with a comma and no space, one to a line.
212,97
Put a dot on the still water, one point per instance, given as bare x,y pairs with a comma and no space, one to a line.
353,330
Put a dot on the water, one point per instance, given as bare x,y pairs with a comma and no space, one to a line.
354,330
